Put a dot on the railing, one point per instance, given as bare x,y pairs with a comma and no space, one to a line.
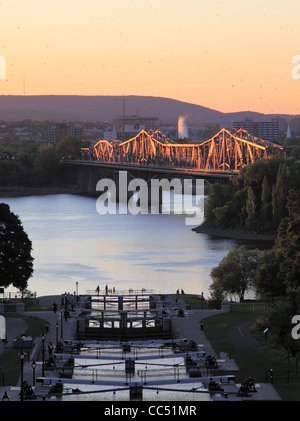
129,291
10,294
281,376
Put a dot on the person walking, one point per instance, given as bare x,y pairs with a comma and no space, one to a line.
54,307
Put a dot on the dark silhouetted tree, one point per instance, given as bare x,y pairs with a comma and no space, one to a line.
16,262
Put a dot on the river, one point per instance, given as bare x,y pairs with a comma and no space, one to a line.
76,247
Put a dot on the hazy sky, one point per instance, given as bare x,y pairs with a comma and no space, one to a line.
227,55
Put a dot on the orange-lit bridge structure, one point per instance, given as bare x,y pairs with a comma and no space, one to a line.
225,152
152,155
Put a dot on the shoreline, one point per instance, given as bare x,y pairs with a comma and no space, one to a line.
38,191
234,234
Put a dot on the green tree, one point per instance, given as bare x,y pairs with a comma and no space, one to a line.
250,209
265,215
292,146
288,241
47,163
266,282
233,213
218,196
69,148
279,321
279,193
16,262
236,272
248,199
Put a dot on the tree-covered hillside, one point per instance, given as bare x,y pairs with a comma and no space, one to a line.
256,199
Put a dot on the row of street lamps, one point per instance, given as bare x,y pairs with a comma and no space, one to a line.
22,356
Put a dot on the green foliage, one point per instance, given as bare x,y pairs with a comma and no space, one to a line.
288,241
250,209
218,197
69,148
256,199
292,146
35,164
235,274
279,319
267,282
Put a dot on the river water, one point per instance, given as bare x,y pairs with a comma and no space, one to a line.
74,244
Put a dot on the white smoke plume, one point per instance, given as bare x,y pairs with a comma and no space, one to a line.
182,127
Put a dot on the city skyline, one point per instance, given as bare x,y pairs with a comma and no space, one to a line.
226,55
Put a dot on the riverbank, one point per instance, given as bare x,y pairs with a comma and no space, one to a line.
234,234
36,191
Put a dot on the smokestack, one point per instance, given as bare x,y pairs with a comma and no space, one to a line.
182,128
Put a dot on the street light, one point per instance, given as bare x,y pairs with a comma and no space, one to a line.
33,365
56,325
43,350
61,323
22,356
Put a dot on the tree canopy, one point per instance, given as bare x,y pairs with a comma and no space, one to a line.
279,321
35,164
288,241
256,199
16,261
235,273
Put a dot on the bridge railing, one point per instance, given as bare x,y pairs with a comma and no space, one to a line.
111,291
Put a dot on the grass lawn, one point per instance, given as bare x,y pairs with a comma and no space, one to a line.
256,362
10,361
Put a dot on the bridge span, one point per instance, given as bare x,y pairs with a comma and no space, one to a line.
86,174
152,155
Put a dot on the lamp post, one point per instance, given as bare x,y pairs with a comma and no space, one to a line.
61,324
22,356
43,351
56,325
33,365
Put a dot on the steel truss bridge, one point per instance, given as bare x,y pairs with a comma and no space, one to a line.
225,152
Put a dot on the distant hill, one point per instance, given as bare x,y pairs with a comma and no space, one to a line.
94,108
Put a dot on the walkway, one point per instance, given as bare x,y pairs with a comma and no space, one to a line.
184,327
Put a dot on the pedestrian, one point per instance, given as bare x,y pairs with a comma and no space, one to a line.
98,290
66,314
54,307
50,348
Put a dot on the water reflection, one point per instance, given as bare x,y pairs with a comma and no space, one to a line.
161,379
73,243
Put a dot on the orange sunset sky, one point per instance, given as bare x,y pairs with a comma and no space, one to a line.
226,55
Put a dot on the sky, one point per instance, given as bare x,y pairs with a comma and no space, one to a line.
227,55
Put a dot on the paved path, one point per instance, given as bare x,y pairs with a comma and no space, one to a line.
240,335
